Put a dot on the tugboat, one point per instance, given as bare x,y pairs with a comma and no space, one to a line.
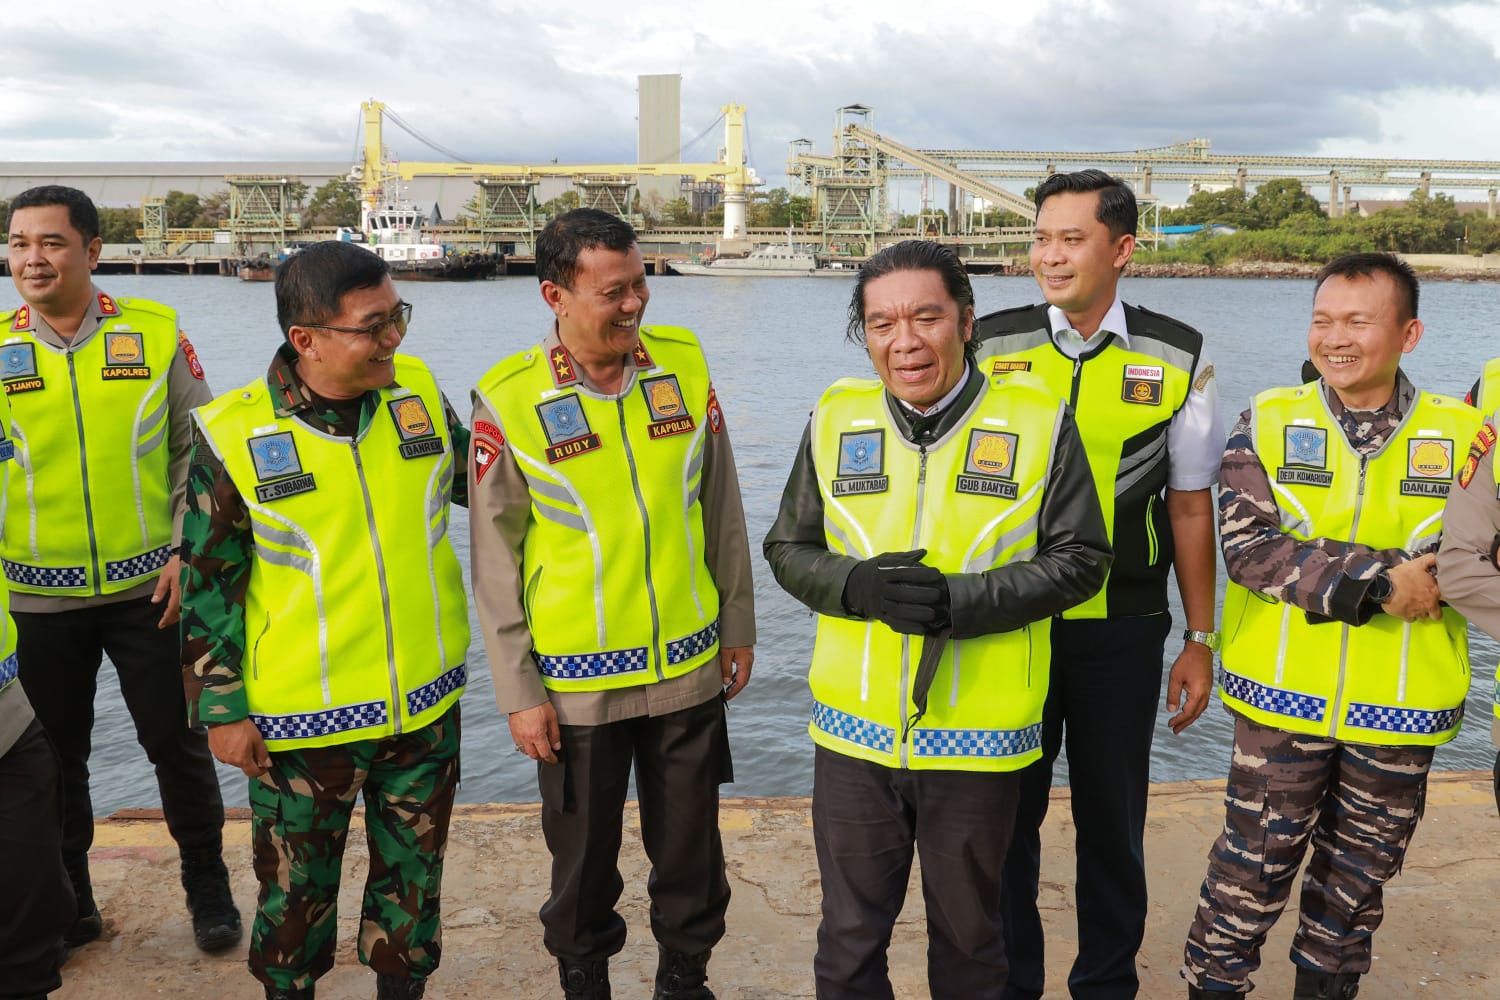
393,229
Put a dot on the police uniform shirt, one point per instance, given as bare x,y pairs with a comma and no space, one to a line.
1196,436
499,504
186,390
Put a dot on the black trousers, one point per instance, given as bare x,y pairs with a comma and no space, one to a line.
38,898
680,759
866,819
59,657
1104,697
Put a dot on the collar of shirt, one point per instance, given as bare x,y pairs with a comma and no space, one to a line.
552,341
1073,344
925,428
941,404
292,398
1367,430
90,325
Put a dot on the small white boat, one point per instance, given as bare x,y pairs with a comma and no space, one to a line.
778,261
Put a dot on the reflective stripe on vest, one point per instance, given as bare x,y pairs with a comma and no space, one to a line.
972,500
8,659
334,595
83,521
1125,401
617,593
1387,682
1489,387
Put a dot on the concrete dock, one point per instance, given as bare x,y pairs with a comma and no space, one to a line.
1441,936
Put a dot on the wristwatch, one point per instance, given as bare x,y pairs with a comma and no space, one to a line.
1381,588
1209,639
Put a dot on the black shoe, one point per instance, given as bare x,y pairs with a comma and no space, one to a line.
584,979
389,987
680,976
289,993
216,920
1315,985
87,924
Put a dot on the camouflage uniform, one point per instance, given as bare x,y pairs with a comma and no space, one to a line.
301,807
1357,804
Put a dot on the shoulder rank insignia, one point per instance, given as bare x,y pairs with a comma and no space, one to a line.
564,371
107,305
22,319
642,356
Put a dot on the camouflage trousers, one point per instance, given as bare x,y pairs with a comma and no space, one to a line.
300,813
1358,806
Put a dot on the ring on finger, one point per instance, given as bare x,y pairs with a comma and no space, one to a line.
520,748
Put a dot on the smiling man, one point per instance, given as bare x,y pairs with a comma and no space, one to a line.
324,619
1341,667
935,520
612,577
101,393
1146,402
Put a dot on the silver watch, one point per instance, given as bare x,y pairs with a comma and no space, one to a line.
1209,639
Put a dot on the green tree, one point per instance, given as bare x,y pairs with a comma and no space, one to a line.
118,225
213,211
678,212
336,203
1229,207
296,194
1276,201
181,209
565,202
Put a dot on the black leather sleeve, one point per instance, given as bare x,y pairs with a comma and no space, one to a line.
1072,558
796,545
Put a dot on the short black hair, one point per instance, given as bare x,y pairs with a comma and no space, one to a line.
82,214
911,255
311,283
559,245
1367,265
1117,208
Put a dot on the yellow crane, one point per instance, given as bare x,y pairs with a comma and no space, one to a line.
737,177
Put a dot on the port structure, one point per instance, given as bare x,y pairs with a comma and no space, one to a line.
507,207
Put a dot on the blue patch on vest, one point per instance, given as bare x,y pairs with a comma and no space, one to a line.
275,455
861,453
17,360
1307,446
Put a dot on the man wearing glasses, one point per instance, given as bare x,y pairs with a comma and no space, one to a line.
100,392
324,620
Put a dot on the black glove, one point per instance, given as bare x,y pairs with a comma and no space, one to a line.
897,589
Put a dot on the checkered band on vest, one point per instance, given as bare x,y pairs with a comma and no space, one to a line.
309,725
428,695
1403,720
853,729
976,742
141,565
8,669
45,576
700,642
1275,700
605,664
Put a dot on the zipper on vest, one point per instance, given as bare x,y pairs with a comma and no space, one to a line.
385,594
83,460
1077,381
1336,709
904,732
640,503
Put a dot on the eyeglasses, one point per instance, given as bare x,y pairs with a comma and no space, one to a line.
399,319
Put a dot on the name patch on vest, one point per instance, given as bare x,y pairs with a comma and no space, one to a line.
861,464
278,467
418,433
124,357
18,368
1142,384
669,414
1001,365
1305,452
989,466
567,429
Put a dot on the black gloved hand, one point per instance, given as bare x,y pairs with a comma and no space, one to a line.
897,589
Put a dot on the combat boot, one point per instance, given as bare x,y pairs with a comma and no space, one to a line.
87,924
584,979
1315,985
389,987
216,920
680,976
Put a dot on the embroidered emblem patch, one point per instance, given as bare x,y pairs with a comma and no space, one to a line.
668,413
989,466
563,371
1305,454
485,453
1000,366
642,356
194,365
566,427
715,415
485,427
861,464
18,368
124,356
1466,474
1429,467
1200,384
278,467
1142,384
414,424
1483,442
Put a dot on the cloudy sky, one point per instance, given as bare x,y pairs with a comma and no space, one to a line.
498,81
